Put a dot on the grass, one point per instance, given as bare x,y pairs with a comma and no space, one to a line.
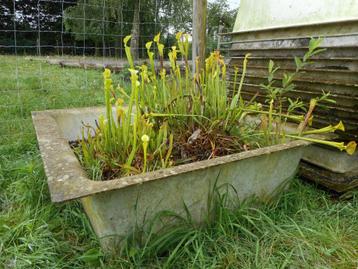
306,227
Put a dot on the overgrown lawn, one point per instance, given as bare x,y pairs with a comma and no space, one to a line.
306,227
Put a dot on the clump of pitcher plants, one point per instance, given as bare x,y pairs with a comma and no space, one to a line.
173,115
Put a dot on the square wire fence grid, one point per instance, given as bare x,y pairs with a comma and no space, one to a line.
53,51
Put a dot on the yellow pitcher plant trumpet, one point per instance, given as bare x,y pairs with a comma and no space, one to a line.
151,58
350,147
145,141
159,45
127,50
327,129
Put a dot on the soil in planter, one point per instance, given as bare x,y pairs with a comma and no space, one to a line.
189,146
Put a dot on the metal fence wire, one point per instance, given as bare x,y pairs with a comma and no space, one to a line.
53,51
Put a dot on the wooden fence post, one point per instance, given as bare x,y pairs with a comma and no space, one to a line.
199,32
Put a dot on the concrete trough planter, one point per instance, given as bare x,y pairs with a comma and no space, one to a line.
115,206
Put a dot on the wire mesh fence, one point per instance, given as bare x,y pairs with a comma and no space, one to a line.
52,51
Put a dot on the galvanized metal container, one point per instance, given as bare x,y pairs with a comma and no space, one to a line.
115,207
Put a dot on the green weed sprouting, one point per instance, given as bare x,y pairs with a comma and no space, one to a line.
175,116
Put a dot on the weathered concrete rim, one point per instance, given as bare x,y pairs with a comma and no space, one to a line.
67,179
